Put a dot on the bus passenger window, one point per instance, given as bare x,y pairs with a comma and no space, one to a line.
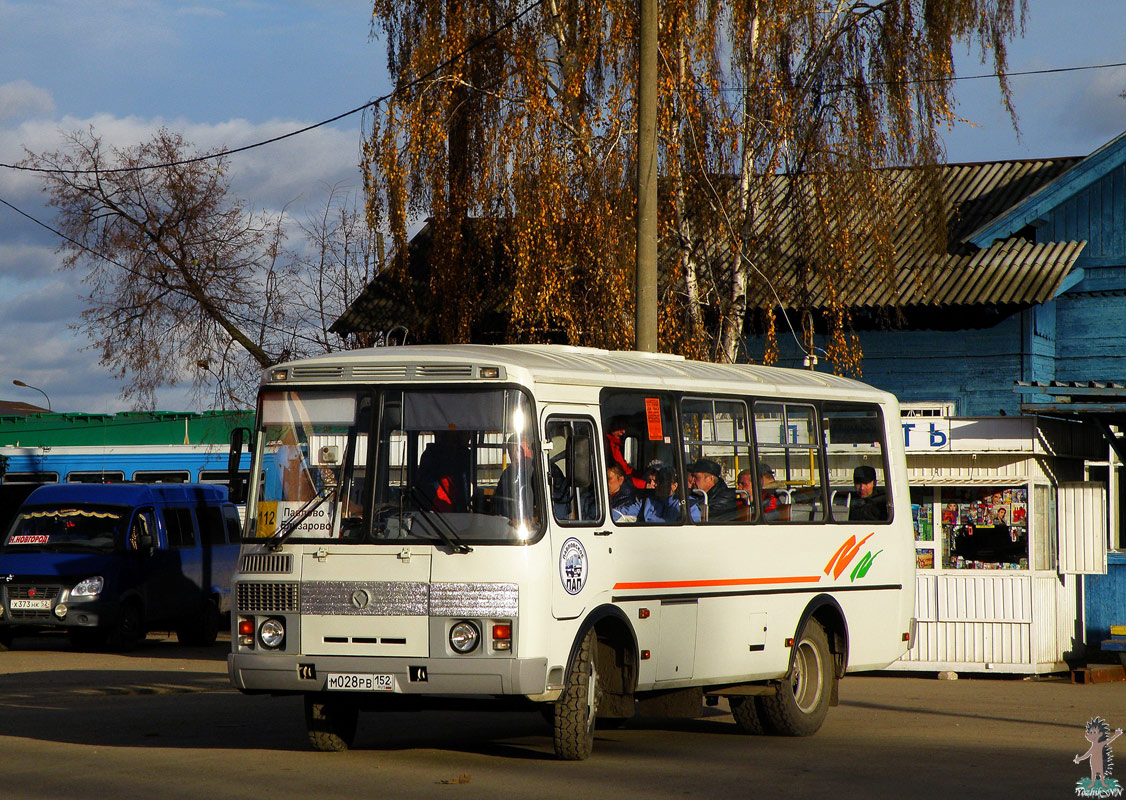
717,452
789,457
855,450
640,429
572,471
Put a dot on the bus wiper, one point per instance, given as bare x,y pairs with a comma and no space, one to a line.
311,505
442,529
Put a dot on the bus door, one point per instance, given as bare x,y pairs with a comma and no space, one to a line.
581,543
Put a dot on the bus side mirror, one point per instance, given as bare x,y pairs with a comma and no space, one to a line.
145,544
240,437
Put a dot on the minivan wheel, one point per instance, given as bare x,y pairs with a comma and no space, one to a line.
127,633
5,640
200,631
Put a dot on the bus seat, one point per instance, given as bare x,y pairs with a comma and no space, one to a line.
743,506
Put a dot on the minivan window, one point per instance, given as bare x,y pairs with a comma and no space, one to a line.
178,523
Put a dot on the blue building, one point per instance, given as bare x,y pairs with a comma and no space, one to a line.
1009,357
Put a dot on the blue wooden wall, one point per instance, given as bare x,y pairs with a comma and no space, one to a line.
975,369
1078,336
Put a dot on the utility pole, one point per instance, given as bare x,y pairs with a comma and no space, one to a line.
645,327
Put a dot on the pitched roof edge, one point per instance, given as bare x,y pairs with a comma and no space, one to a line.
1095,166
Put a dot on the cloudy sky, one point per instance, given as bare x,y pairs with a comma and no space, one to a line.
236,72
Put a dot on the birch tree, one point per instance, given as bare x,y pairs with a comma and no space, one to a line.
186,284
777,119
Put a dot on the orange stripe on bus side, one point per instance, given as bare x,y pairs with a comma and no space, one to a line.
722,582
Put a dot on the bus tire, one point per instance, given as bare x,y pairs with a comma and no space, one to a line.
747,716
802,700
330,722
5,640
576,710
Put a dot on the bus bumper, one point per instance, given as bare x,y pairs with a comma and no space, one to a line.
262,672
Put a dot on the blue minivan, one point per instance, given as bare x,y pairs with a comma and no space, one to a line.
108,562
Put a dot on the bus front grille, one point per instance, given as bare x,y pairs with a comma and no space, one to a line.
260,597
269,563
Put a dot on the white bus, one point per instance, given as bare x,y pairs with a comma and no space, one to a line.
428,524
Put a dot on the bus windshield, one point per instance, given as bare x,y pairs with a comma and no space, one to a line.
430,465
70,527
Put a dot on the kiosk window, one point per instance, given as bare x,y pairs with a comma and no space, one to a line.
985,527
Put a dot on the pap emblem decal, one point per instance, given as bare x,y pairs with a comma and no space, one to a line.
572,566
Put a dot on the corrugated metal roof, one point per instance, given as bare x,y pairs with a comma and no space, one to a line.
1014,271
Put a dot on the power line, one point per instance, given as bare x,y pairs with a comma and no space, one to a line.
136,273
955,78
370,104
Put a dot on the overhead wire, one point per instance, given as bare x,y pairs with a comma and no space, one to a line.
453,59
229,151
137,273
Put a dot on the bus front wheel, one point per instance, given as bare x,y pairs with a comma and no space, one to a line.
330,722
802,700
577,708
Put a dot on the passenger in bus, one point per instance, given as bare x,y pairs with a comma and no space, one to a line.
768,495
443,471
621,491
614,437
708,475
293,480
514,497
871,502
662,505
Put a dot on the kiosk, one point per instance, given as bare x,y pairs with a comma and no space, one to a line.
1006,523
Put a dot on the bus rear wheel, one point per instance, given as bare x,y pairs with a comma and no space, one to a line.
576,710
802,701
330,722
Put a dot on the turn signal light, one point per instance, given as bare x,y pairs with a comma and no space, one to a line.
502,636
246,631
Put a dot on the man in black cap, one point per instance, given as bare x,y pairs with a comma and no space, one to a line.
709,479
870,503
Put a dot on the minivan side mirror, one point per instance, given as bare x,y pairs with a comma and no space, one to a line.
145,544
236,491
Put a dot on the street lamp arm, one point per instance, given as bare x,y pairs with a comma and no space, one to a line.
36,388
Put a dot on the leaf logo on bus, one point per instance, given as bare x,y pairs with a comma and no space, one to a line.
846,553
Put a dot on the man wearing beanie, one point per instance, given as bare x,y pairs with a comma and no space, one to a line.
870,503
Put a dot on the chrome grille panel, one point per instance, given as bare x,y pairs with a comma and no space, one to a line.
387,372
312,372
24,592
474,599
443,371
397,599
275,563
263,597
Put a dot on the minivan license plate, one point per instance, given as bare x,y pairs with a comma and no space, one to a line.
359,682
36,604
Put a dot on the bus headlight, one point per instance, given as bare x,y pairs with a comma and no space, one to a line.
271,633
88,587
464,637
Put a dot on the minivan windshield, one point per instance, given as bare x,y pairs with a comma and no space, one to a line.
446,465
70,527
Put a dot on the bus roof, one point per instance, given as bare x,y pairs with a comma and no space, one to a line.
127,494
561,364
